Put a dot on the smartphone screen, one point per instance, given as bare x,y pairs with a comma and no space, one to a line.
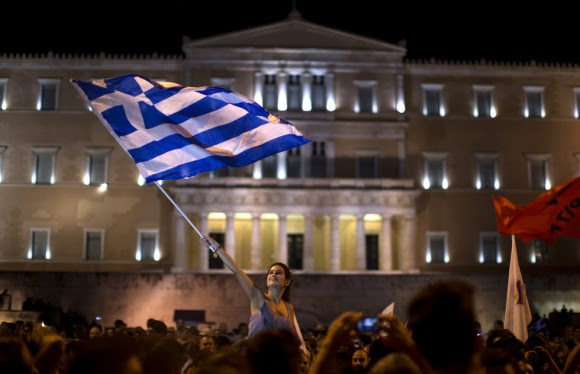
367,324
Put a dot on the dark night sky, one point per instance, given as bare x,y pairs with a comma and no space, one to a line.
472,31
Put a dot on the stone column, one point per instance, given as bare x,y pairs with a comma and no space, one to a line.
282,239
256,258
334,244
259,88
330,101
181,243
203,251
230,245
282,102
361,254
306,80
307,255
281,172
386,254
407,240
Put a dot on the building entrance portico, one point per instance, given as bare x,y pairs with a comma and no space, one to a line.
311,229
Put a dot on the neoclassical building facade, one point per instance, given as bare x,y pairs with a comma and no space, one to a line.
398,177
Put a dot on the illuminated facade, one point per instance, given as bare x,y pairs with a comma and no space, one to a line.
404,159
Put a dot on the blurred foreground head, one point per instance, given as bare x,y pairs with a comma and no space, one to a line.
442,320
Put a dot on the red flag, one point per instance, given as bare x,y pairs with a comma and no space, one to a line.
556,212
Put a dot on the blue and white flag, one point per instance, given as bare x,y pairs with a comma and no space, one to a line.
175,132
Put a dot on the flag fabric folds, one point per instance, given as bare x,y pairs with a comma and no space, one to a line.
552,214
517,309
175,132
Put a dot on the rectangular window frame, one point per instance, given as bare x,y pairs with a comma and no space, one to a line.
3,93
41,104
86,233
530,111
432,91
91,154
49,152
366,98
480,92
534,182
429,255
32,255
482,183
140,253
496,257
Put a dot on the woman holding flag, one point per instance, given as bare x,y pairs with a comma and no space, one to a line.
271,309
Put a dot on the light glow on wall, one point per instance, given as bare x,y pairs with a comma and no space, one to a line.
102,187
157,254
496,184
140,180
426,183
498,257
86,179
330,104
492,111
445,183
138,255
306,99
47,255
548,185
401,106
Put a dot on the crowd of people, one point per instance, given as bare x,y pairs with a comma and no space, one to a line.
441,335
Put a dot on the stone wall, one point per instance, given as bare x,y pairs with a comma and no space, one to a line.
135,297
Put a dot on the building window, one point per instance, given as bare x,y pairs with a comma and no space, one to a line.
294,93
2,150
437,252
487,178
215,262
97,165
44,165
576,102
39,244
366,167
318,93
270,91
435,170
148,245
539,251
538,171
489,248
432,100
293,163
372,251
483,103
269,167
94,240
318,160
366,101
295,251
47,94
3,86
534,105
227,83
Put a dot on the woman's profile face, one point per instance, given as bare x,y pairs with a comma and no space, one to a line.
277,277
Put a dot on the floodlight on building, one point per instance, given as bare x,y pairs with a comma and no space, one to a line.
481,256
426,183
87,179
445,183
478,183
52,179
102,187
496,184
547,185
533,256
330,104
442,111
428,256
157,254
446,258
498,257
138,255
29,254
47,255
401,106
140,180
492,111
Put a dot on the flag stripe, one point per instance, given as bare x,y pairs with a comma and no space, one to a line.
214,162
235,146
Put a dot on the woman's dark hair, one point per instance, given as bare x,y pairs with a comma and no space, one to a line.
287,275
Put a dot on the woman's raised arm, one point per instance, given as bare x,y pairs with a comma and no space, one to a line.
253,292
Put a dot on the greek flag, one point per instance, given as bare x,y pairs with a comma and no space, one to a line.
175,132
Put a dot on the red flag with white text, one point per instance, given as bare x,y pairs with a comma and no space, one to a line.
554,213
